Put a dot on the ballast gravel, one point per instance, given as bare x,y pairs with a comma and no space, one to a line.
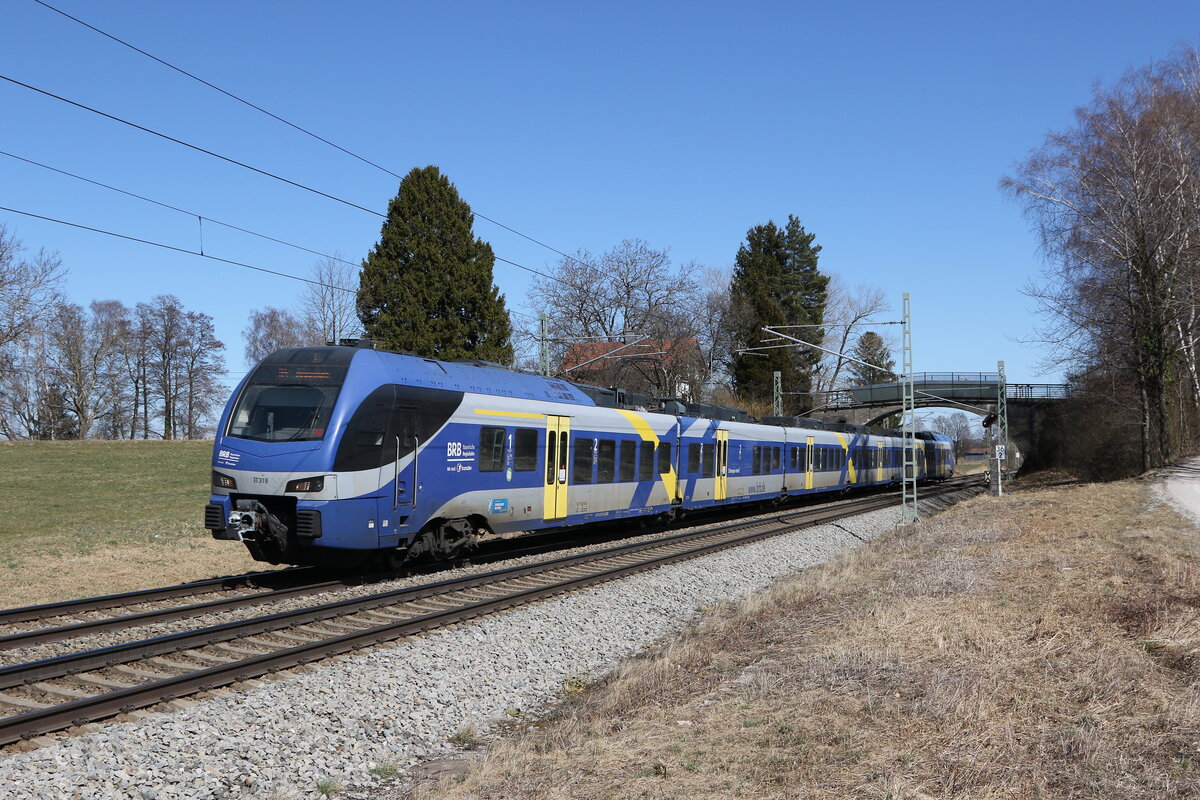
394,706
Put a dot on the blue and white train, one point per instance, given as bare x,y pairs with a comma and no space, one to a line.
327,455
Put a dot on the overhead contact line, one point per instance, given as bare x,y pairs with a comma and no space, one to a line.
173,248
289,123
170,207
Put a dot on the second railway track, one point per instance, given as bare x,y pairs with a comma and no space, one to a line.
61,692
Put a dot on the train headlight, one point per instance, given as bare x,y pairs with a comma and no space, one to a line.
306,484
223,481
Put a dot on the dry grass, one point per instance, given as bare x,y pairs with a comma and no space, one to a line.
1046,645
82,518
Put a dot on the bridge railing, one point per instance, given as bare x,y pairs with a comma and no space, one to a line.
965,387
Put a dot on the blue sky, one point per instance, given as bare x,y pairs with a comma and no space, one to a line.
883,126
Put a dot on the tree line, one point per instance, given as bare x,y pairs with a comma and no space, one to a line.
426,287
1116,201
108,371
681,329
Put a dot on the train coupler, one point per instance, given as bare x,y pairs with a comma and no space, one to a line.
252,521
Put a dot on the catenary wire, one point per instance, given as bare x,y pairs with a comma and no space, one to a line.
184,250
173,248
258,171
191,146
278,118
176,208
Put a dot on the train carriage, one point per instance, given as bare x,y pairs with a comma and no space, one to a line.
330,454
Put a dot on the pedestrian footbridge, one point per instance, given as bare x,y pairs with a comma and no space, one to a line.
977,392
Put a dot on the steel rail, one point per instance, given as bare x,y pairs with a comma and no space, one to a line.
41,635
495,551
65,715
66,607
84,661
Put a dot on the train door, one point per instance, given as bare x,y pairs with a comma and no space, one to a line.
558,446
879,462
404,441
809,458
720,491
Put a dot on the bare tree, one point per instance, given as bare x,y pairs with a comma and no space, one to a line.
32,404
83,359
847,312
328,310
164,320
1117,202
631,291
274,329
200,367
957,426
708,312
29,289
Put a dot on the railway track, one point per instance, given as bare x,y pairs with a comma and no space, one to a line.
61,692
53,622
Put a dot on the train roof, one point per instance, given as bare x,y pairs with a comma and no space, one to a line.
487,377
412,370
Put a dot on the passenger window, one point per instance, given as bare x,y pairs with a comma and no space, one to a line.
551,459
628,468
664,458
525,450
775,458
606,461
706,460
581,467
693,464
756,467
646,462
491,449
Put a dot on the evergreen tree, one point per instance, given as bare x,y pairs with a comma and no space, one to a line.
427,286
871,348
776,282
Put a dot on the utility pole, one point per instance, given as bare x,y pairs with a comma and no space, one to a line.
1001,454
909,421
544,344
777,397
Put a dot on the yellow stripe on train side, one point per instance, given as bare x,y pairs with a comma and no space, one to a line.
851,473
487,412
648,435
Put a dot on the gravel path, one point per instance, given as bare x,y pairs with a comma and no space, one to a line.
397,705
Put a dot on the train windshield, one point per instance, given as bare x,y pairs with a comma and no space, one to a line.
287,402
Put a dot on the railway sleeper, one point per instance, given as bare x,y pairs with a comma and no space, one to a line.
241,651
179,665
135,672
102,682
212,658
21,702
291,637
62,691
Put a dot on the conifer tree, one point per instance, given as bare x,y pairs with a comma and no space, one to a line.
776,282
871,348
426,287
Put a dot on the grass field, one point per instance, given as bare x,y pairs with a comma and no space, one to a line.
94,517
1043,645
